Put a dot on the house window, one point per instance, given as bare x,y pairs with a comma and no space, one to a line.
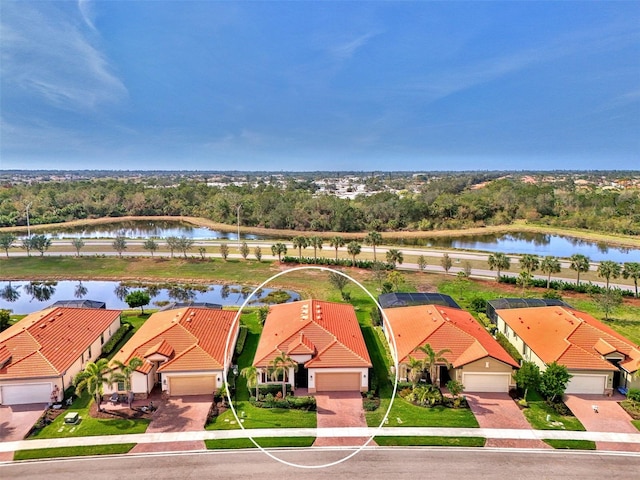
121,386
525,350
505,329
89,353
82,358
102,339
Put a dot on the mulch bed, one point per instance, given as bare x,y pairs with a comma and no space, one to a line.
124,413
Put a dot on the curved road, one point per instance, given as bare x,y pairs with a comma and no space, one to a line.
378,463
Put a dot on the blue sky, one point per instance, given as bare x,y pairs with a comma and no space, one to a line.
320,85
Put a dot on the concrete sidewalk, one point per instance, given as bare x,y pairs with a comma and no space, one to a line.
489,433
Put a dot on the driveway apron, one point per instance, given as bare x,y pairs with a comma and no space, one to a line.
340,409
16,422
603,414
498,410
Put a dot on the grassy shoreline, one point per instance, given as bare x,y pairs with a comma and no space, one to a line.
519,226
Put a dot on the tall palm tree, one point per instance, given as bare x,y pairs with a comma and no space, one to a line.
280,366
373,239
337,242
608,270
251,373
279,249
316,242
632,270
579,263
529,263
415,368
550,265
124,372
394,257
354,249
92,379
499,261
432,358
300,242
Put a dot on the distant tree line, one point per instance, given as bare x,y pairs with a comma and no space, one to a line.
441,203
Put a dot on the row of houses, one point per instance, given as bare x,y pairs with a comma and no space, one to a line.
185,349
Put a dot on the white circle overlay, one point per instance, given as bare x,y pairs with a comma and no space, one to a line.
236,321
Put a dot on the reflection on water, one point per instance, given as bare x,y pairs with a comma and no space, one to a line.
24,297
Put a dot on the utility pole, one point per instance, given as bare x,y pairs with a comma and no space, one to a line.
28,227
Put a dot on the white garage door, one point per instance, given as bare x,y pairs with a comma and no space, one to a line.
486,382
197,385
338,382
589,384
26,393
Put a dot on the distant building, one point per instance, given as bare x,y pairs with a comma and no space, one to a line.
79,304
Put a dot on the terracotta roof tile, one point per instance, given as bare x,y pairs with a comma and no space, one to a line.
302,346
442,328
193,359
162,348
322,323
59,335
570,337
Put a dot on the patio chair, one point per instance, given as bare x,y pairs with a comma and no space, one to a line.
115,398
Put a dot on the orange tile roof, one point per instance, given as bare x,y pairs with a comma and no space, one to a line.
49,342
192,338
442,328
331,328
570,337
301,346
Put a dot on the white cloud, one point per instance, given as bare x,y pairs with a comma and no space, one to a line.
348,49
48,52
86,10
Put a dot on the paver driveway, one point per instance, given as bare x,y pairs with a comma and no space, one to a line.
340,409
610,417
16,421
498,410
177,414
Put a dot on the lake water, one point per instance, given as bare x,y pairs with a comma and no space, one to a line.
514,243
24,297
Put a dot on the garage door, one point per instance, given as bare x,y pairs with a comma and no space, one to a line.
338,382
199,385
26,393
486,382
589,384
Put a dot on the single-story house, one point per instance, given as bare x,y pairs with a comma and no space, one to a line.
599,358
323,338
475,358
183,350
42,353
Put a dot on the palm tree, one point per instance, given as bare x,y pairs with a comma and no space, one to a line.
550,265
394,256
579,263
300,242
499,261
529,263
280,367
337,242
415,368
251,373
609,270
316,242
354,249
373,239
632,269
432,358
92,379
279,249
125,372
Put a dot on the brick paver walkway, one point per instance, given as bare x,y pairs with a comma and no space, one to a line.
340,409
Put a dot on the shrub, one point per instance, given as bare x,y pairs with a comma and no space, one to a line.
242,337
511,350
108,347
560,408
370,405
273,389
478,304
634,394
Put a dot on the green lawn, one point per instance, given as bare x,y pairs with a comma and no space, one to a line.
537,413
572,444
408,441
636,423
89,426
264,442
73,451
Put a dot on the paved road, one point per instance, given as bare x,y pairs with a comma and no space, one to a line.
440,463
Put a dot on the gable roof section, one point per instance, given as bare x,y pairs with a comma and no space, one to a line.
193,339
570,337
331,329
442,328
48,342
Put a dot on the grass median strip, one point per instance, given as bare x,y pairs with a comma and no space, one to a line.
267,442
56,452
572,444
408,441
